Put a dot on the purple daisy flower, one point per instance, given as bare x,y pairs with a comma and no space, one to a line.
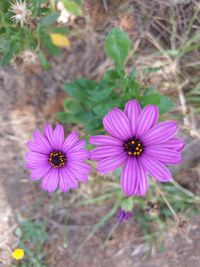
139,143
59,162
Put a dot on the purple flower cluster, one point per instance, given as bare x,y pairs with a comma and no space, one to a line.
136,141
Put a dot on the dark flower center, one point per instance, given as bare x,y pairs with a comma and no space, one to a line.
133,147
57,159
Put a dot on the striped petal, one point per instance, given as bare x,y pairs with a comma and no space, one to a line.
110,164
117,124
132,111
161,133
130,177
147,119
156,169
51,180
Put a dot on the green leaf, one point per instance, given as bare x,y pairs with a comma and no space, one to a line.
72,106
117,46
61,30
102,109
196,90
84,117
80,117
72,7
34,232
65,117
6,58
47,43
101,94
73,90
194,99
113,75
49,20
80,88
93,125
43,61
162,102
133,73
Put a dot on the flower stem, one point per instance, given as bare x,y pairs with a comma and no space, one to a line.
167,202
182,189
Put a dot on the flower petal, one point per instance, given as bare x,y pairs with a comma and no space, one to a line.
82,178
132,111
80,173
80,154
79,145
110,164
70,141
58,135
117,124
143,184
39,172
106,151
79,167
104,140
156,169
71,179
51,180
35,156
35,164
175,144
48,133
36,160
63,184
130,177
147,119
161,133
32,145
165,155
41,141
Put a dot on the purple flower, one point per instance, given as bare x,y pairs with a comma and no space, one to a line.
57,161
123,215
140,144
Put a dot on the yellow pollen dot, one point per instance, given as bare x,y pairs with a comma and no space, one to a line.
137,148
132,142
18,254
140,150
139,144
135,153
138,153
129,153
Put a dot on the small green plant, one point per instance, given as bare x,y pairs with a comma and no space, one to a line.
31,26
32,236
90,100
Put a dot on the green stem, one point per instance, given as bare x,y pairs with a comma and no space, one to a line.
182,189
167,202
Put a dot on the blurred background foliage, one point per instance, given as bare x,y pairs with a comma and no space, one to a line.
35,34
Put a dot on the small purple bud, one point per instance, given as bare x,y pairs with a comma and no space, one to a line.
123,215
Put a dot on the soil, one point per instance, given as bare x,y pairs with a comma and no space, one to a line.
31,96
